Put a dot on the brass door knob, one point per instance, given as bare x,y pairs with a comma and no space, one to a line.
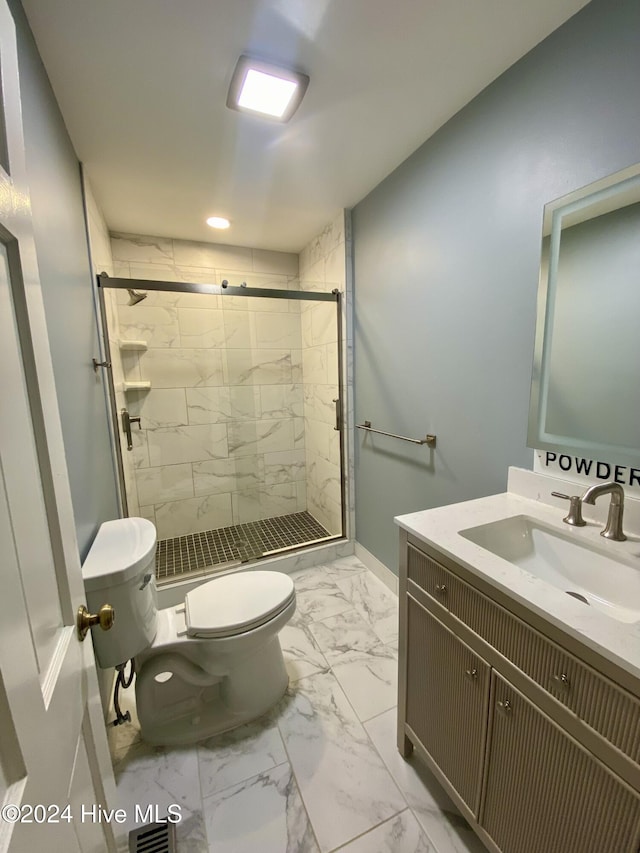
105,617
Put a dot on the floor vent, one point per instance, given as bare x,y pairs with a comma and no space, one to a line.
153,838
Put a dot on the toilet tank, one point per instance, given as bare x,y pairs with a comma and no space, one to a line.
120,570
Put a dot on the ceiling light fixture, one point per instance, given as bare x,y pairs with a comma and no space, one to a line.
267,90
218,222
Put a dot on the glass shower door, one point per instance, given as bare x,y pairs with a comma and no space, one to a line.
236,453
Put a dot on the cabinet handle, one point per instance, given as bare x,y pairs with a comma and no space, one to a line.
561,680
471,673
441,588
506,706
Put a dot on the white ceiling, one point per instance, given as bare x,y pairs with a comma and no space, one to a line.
142,86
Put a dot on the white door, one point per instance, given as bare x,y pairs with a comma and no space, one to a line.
53,753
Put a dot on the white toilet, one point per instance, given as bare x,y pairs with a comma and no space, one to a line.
203,667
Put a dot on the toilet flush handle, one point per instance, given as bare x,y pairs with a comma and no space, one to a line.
105,617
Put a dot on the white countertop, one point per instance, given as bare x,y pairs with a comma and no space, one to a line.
616,641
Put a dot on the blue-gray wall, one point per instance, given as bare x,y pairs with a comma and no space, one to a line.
65,275
446,255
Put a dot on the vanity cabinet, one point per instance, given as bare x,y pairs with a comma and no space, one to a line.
536,744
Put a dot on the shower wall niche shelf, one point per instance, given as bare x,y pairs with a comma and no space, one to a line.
138,346
134,346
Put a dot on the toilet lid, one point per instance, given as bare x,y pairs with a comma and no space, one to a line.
236,603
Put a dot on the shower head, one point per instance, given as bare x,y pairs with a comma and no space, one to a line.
136,296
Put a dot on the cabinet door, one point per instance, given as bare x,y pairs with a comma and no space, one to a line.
447,699
545,792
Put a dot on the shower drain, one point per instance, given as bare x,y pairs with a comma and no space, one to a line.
153,838
246,551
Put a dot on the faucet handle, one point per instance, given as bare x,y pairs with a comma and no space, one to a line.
574,516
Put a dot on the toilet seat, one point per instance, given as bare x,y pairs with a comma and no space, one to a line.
236,603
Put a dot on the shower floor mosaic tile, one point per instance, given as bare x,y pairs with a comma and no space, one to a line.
198,551
321,771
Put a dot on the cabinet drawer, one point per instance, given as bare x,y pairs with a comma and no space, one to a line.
604,706
430,576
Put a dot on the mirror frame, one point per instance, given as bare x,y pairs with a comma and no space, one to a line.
606,195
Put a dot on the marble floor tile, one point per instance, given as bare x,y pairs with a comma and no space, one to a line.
366,669
376,604
309,577
317,596
345,566
344,784
399,834
344,634
448,831
302,656
232,757
440,819
264,814
369,680
148,776
191,837
393,645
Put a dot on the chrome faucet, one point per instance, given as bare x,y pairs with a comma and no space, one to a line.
613,527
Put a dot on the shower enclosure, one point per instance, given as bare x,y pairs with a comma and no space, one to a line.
227,406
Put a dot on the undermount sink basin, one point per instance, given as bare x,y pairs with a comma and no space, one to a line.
585,572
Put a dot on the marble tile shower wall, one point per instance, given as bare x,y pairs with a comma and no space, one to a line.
222,438
323,267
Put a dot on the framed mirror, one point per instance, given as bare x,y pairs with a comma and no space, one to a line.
585,388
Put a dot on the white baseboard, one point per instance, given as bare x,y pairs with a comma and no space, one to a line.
379,569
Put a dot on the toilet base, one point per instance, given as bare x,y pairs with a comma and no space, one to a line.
192,704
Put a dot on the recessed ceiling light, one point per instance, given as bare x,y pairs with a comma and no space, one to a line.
218,222
264,89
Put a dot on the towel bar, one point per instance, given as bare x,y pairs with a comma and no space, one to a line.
430,440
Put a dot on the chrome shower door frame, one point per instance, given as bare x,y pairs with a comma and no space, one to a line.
105,281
